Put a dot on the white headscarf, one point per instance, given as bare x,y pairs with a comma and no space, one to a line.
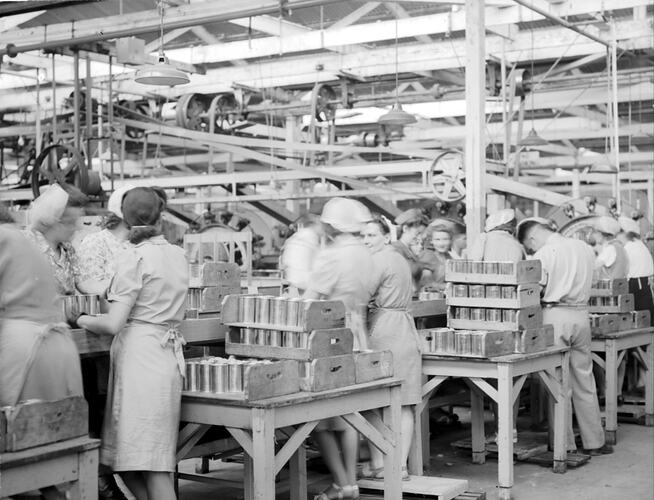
49,207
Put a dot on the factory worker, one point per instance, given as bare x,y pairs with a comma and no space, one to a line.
54,218
566,280
98,251
459,242
392,328
299,253
342,270
497,243
436,257
612,261
38,358
641,266
411,225
147,302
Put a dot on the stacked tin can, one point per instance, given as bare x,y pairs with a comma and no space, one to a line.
217,375
612,307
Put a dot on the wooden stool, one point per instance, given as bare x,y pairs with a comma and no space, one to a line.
74,460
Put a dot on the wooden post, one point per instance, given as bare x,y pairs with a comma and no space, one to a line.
505,429
475,144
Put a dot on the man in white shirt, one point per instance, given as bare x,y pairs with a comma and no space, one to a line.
612,261
567,277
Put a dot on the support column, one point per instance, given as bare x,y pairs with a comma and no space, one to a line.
475,146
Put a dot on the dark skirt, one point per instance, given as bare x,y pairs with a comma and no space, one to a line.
642,293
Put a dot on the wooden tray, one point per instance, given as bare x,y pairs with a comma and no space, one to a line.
527,318
524,271
372,365
42,422
604,323
214,274
210,298
609,288
483,344
625,321
323,374
315,315
321,343
625,304
437,339
640,319
261,381
527,296
533,340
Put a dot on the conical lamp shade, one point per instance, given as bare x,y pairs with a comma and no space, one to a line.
533,139
397,116
162,74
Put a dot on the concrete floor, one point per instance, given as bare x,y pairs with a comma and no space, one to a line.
628,474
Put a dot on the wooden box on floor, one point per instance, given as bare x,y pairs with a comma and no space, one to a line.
372,365
323,374
42,422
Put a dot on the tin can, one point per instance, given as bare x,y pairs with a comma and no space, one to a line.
293,306
263,310
290,339
235,375
477,291
491,267
193,298
494,315
448,342
506,267
278,314
261,336
275,338
219,375
477,314
477,267
460,290
191,379
509,292
247,308
509,315
462,342
304,340
462,312
493,292
248,336
205,376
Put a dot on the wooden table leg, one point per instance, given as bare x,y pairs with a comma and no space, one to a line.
393,461
416,465
263,454
298,474
560,464
248,477
505,430
611,392
649,385
477,425
86,486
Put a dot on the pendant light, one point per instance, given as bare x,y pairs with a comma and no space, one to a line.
532,139
162,73
396,116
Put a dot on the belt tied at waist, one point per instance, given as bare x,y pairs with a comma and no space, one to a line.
393,309
174,338
580,305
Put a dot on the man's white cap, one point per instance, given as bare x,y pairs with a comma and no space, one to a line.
628,225
606,224
345,215
49,207
115,202
498,218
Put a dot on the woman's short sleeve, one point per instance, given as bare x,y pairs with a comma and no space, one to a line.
128,280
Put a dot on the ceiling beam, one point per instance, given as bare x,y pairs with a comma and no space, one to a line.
9,22
355,15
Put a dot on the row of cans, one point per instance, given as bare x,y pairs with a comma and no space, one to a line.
484,291
430,295
605,301
217,375
457,342
480,267
483,314
269,310
275,338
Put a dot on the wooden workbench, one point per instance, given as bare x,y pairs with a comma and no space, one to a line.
551,365
253,425
74,460
615,346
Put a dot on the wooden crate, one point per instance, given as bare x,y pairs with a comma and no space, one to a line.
323,374
625,321
625,303
320,344
533,340
527,318
604,323
523,272
609,288
483,344
214,274
372,365
42,422
640,319
314,315
526,296
210,298
261,381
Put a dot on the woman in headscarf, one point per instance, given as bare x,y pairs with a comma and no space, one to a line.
342,271
54,218
392,328
38,359
147,300
411,224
